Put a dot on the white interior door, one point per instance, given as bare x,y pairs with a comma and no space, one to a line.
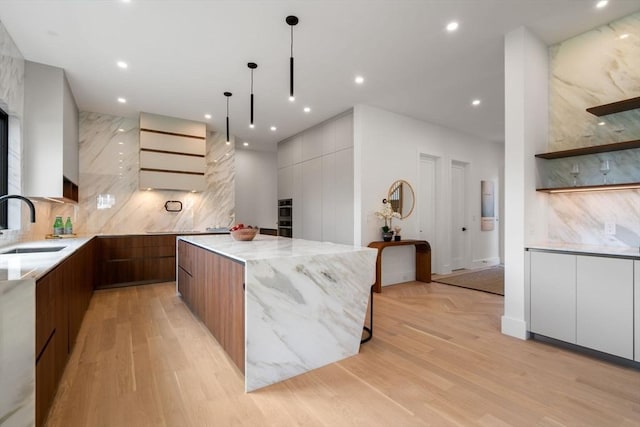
426,204
458,215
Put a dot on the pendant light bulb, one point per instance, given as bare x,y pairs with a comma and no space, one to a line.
252,66
291,21
228,94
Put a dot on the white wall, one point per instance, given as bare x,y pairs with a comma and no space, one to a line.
388,147
526,100
256,187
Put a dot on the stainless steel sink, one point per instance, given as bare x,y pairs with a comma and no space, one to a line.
33,250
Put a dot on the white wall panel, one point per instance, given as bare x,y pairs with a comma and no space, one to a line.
172,125
171,162
173,143
171,181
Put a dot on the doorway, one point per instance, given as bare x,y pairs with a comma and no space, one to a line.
459,226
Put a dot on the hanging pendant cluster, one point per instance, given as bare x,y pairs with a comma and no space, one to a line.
291,21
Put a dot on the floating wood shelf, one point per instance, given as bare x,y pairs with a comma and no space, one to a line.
595,149
583,188
615,107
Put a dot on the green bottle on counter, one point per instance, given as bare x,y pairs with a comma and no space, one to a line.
58,226
68,228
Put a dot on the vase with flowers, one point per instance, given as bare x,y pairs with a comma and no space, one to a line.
387,213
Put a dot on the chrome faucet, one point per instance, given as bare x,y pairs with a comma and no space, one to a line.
24,199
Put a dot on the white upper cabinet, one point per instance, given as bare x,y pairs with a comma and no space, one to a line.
50,134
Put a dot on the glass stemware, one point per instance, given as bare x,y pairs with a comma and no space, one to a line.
605,168
575,171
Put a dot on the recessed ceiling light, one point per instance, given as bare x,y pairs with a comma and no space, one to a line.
601,123
273,128
359,80
452,26
126,1
623,36
601,4
292,98
122,64
307,109
120,142
122,100
475,102
121,153
120,130
246,144
207,116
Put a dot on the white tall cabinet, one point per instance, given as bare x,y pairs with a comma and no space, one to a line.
587,300
315,169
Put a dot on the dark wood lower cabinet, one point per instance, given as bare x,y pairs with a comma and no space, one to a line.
135,260
62,298
212,286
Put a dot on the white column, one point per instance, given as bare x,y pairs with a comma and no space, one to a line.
526,133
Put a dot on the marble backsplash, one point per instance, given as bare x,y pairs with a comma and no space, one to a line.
109,148
594,68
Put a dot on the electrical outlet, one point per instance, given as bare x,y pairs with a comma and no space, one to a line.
610,228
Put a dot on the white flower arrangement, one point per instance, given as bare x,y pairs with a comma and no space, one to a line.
386,213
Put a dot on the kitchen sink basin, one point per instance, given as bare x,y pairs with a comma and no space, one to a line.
34,250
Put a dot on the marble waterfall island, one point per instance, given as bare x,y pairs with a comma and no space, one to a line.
299,304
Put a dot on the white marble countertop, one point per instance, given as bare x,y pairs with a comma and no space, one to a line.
264,247
36,265
623,252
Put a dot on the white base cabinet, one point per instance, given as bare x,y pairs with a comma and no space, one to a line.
586,300
553,295
636,314
605,305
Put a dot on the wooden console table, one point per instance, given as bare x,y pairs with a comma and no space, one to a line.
423,260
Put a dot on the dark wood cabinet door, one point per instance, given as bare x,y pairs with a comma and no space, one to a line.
45,311
46,381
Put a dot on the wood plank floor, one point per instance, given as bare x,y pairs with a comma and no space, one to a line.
437,358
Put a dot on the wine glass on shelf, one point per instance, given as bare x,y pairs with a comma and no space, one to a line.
605,168
575,171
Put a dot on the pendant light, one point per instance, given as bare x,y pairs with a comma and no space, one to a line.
228,94
252,66
292,21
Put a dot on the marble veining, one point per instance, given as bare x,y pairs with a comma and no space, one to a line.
109,148
17,353
305,302
594,68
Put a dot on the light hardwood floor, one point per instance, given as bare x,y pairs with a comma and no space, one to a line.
437,358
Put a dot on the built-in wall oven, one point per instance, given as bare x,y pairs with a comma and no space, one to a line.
285,217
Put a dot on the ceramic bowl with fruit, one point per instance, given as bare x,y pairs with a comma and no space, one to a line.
243,232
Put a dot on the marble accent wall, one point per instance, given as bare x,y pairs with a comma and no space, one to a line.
109,148
594,68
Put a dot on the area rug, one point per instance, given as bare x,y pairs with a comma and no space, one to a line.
489,280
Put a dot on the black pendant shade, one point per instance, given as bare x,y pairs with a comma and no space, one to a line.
228,94
291,21
252,66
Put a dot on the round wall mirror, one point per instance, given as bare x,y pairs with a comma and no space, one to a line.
402,198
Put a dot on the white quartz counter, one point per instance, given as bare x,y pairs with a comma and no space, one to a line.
575,248
305,302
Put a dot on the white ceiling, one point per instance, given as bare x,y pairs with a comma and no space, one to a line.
183,55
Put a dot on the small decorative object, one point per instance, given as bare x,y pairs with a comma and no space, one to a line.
243,233
387,213
575,171
605,168
397,236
